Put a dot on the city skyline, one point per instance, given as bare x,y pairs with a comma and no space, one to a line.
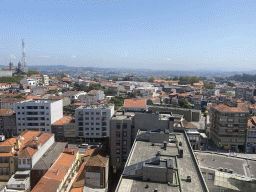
198,35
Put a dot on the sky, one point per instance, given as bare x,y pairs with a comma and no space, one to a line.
153,34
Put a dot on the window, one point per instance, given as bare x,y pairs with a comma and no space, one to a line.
103,123
80,129
86,113
103,133
97,129
125,125
81,134
104,113
124,134
97,113
103,128
97,134
118,159
230,120
118,134
97,123
18,107
124,150
92,118
92,113
87,123
19,161
28,161
124,159
97,118
92,129
92,133
24,161
117,151
236,114
210,176
18,118
92,123
117,142
242,115
124,142
118,125
230,125
86,128
236,120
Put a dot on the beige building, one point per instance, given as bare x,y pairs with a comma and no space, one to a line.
228,125
45,80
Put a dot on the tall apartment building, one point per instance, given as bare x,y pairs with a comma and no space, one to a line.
93,122
121,128
38,114
45,80
228,125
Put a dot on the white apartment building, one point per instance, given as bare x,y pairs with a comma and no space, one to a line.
93,122
28,81
38,115
92,96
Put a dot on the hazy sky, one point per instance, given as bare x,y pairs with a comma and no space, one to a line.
159,34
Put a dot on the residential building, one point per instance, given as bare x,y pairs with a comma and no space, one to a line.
70,131
58,127
251,135
73,95
93,122
135,104
45,162
28,81
161,161
92,96
8,123
45,80
37,78
38,114
62,173
121,128
23,152
227,172
9,103
228,125
93,173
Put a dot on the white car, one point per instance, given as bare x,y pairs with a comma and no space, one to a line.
84,145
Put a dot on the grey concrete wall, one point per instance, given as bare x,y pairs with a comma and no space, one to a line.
5,73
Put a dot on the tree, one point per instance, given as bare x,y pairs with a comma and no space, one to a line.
141,80
230,94
175,78
208,86
30,72
151,79
115,79
18,96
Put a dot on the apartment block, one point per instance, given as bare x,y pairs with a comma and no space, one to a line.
93,121
92,96
62,173
8,123
228,125
23,152
161,161
38,114
121,128
58,127
45,80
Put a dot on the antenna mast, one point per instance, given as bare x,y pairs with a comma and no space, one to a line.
24,65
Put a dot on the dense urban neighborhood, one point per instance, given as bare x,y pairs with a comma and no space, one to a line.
125,132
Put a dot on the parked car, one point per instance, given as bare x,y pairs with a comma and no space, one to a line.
83,145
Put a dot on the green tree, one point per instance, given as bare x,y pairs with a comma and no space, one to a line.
230,94
175,78
30,72
18,96
141,80
208,86
151,79
115,79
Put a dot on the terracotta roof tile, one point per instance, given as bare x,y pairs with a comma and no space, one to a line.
135,103
63,120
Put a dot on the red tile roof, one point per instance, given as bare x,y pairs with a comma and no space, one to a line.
63,120
135,103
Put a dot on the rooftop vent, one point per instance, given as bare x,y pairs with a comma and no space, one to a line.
226,170
180,143
188,179
155,190
147,186
36,138
230,171
153,144
221,168
158,153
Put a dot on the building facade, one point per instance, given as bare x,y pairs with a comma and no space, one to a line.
38,114
228,125
93,122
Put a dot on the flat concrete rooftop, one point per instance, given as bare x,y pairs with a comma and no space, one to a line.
144,150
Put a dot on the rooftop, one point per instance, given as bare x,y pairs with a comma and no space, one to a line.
44,163
63,120
145,151
241,107
135,103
